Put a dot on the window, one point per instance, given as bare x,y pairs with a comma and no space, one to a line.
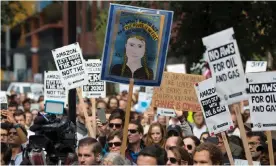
17,90
26,89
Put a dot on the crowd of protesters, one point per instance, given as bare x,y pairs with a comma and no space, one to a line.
152,140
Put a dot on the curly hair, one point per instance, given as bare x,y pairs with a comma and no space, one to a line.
214,152
149,140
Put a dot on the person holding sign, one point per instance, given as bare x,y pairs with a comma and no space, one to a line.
135,60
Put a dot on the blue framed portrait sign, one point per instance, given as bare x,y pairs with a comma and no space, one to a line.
136,45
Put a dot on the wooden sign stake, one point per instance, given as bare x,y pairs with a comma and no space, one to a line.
87,121
129,99
270,148
228,151
94,124
243,135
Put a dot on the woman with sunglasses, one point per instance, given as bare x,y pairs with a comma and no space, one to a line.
178,156
156,135
190,143
114,141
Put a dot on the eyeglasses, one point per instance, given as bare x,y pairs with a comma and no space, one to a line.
4,135
117,125
253,143
116,144
132,131
189,147
172,160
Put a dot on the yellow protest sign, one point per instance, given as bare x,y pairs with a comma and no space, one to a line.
177,90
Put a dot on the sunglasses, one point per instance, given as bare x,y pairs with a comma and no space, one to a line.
173,133
189,147
172,160
132,131
116,144
117,125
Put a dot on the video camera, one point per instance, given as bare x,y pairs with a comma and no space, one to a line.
54,137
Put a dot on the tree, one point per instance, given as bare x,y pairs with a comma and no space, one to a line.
9,9
253,23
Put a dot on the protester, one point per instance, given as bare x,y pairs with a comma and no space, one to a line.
162,120
113,103
135,143
114,140
190,143
152,155
12,106
101,104
254,141
156,135
29,119
235,130
6,154
174,141
82,131
4,132
204,136
122,104
114,159
178,156
42,107
174,130
207,154
89,151
200,126
27,105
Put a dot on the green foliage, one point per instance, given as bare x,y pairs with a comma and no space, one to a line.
253,22
8,11
101,29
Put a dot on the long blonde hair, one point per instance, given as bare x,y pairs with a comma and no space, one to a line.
149,140
145,63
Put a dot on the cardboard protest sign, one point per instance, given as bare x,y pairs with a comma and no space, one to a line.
177,91
255,66
177,68
217,117
225,63
95,87
262,100
53,87
136,44
70,64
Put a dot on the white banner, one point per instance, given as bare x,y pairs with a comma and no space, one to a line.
3,97
70,64
166,112
255,66
217,117
95,87
177,68
262,100
226,66
53,87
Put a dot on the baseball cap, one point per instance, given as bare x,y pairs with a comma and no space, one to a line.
174,130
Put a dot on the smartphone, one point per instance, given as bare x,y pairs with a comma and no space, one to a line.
101,115
4,106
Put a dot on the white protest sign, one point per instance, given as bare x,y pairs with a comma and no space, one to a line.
262,100
226,66
217,117
245,162
166,112
144,100
124,87
255,66
176,68
70,64
95,87
53,87
3,97
149,89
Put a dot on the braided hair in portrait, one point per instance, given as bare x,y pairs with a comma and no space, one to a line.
145,64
